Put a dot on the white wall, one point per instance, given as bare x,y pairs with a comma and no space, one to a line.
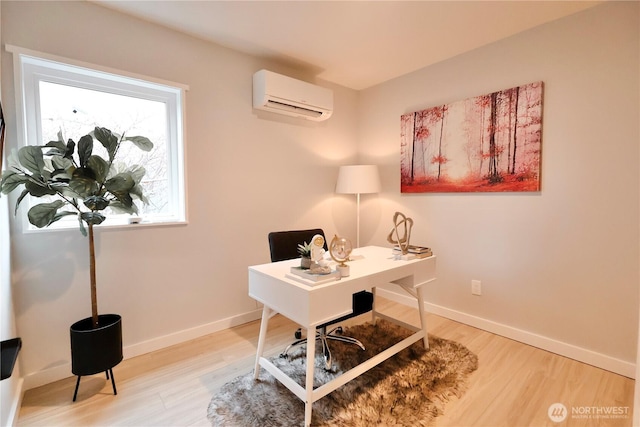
247,175
10,388
562,263
559,268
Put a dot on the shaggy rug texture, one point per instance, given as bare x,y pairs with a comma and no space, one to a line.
409,389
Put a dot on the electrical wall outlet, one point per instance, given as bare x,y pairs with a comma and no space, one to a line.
476,287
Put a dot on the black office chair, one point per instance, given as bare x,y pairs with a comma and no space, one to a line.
283,245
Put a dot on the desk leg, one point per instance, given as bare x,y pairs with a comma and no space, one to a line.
373,306
311,359
423,317
266,315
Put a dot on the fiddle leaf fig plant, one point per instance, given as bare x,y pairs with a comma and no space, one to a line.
78,182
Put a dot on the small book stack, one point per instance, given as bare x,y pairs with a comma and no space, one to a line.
414,251
305,276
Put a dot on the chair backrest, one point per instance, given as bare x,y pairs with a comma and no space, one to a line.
284,244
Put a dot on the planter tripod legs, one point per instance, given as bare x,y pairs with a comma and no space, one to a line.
113,383
95,350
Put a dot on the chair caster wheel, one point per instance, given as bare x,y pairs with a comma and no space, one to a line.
298,334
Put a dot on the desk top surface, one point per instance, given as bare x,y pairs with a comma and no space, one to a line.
368,260
310,304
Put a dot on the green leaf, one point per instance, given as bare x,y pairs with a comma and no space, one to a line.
84,173
38,189
71,146
122,208
44,214
57,148
142,142
67,192
137,190
82,229
122,182
96,203
46,174
62,170
125,198
99,166
31,158
108,140
60,145
85,148
22,196
61,162
58,177
62,214
83,186
137,173
92,217
11,180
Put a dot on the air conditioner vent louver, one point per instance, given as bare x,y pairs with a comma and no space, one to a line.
285,95
293,109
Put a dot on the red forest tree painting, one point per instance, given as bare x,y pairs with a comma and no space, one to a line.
487,143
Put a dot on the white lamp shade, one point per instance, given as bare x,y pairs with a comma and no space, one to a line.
358,179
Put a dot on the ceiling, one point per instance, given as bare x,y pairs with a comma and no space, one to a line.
356,44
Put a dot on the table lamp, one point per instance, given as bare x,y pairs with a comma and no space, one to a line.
358,179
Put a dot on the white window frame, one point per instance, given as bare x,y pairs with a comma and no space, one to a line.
31,67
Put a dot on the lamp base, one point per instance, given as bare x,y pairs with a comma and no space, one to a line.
343,270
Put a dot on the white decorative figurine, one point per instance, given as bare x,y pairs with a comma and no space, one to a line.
318,264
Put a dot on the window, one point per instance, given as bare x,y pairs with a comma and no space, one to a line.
58,96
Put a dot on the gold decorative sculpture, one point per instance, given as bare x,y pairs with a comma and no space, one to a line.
340,249
402,242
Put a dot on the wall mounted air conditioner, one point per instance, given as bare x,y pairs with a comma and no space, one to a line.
285,95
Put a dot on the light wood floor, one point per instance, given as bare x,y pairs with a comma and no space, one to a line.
514,385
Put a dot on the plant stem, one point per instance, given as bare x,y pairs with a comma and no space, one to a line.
92,266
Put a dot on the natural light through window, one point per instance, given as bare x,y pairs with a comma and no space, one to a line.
70,100
75,111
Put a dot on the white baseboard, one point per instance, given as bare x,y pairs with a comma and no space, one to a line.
599,360
59,372
189,334
580,354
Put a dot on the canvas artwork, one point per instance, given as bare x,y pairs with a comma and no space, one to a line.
486,143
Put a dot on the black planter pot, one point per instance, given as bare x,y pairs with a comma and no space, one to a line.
95,350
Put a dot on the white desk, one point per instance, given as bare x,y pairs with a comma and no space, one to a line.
313,305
